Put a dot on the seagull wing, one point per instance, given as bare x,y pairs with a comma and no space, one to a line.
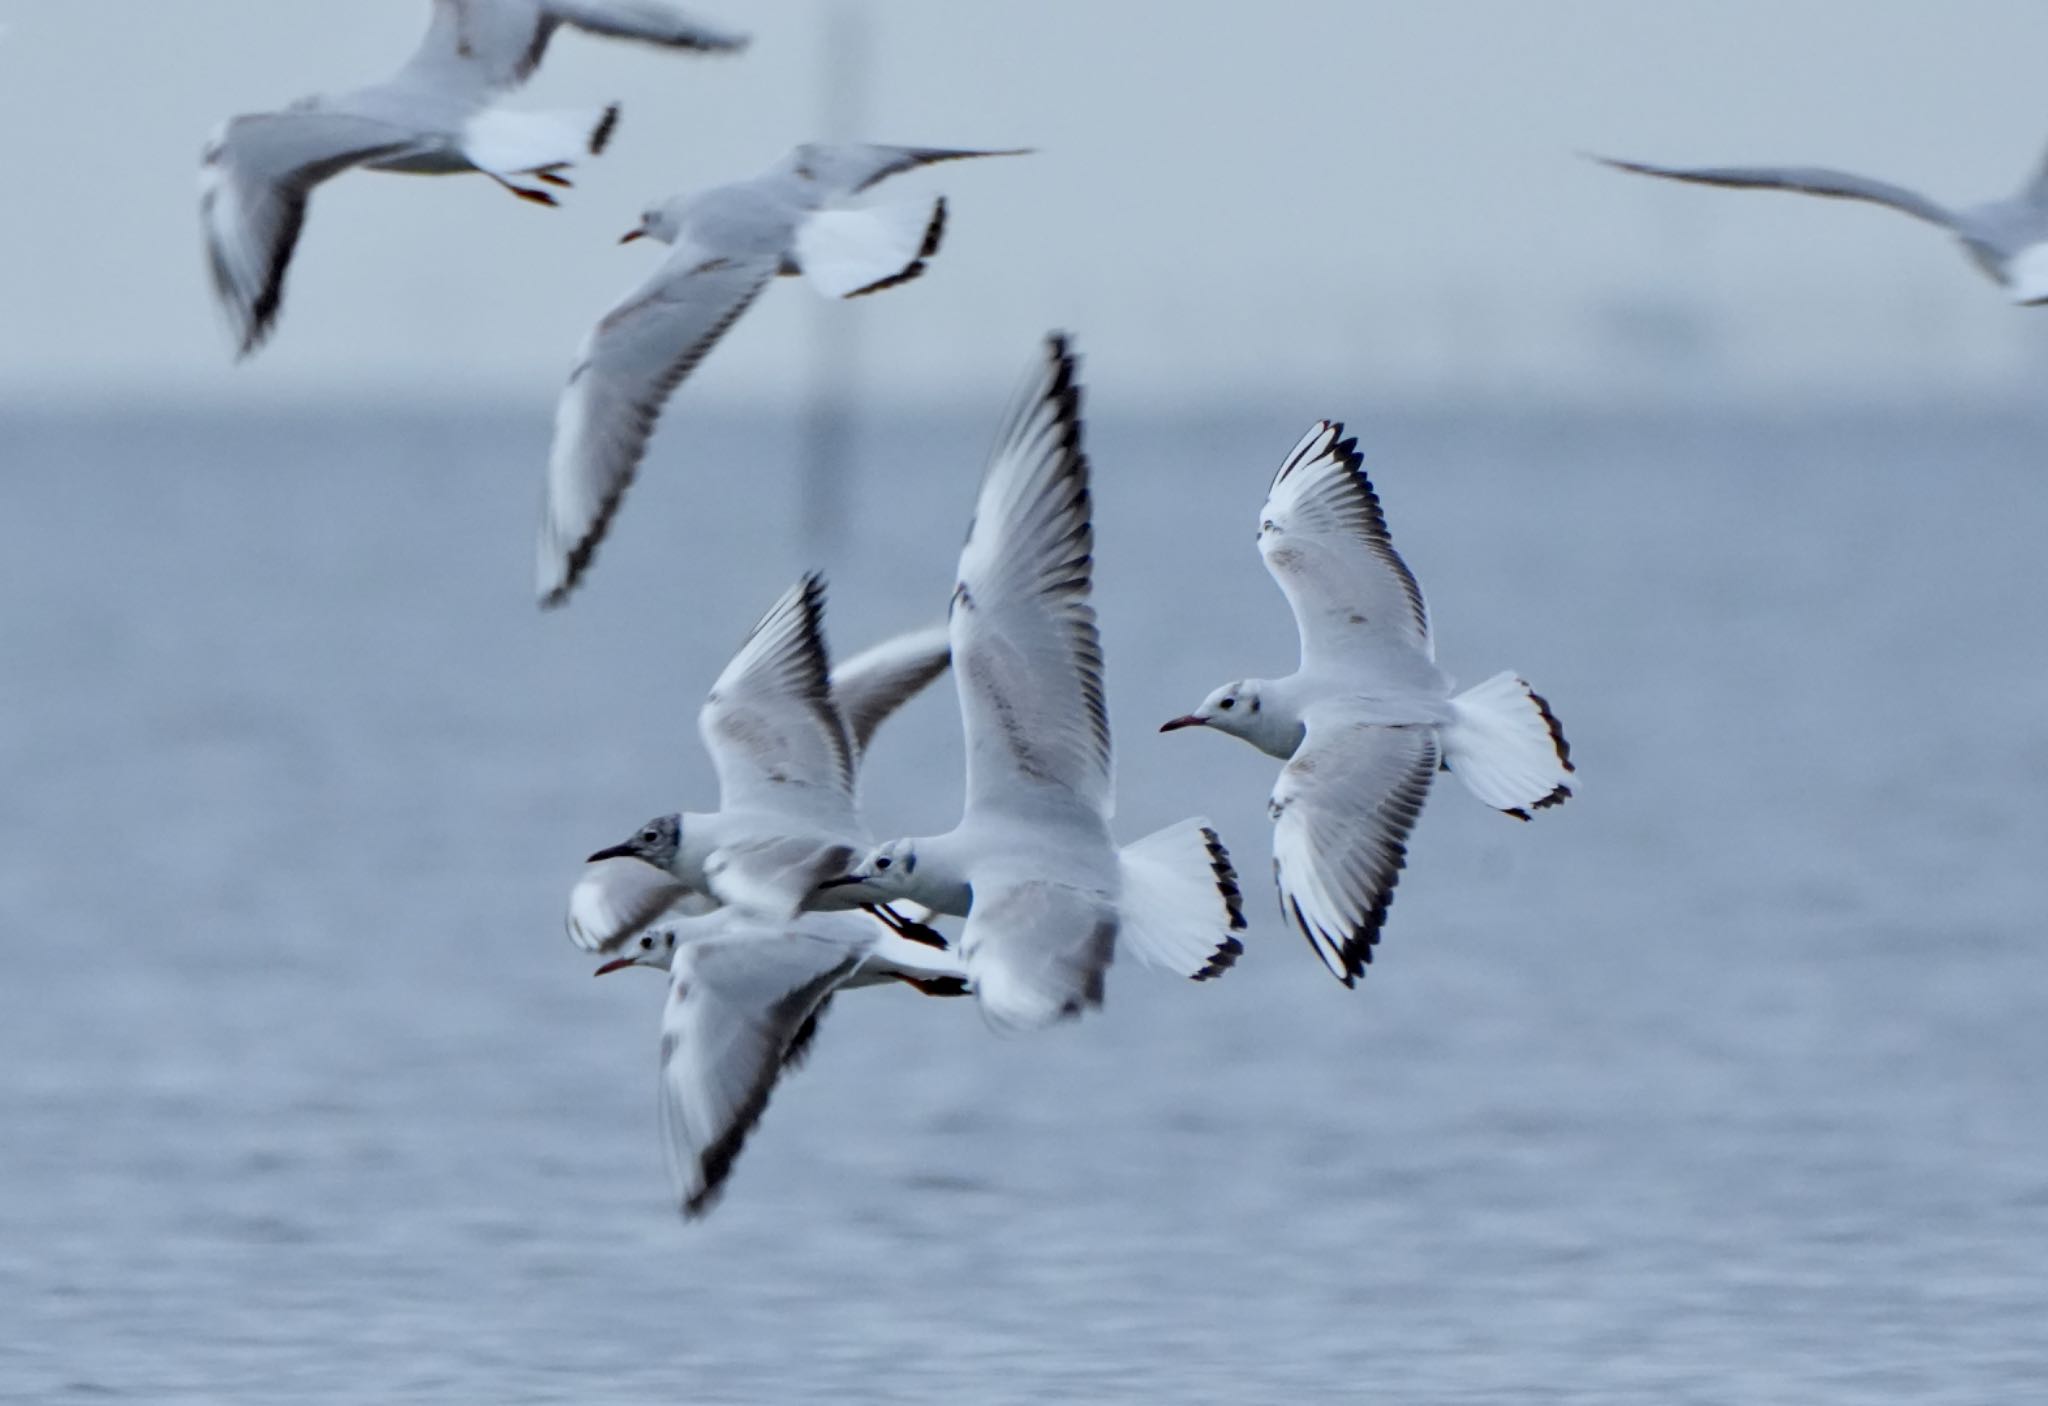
2035,191
1325,542
476,49
480,48
625,372
254,181
843,169
1342,811
1034,949
770,723
1026,656
647,22
1808,180
873,684
739,1007
614,899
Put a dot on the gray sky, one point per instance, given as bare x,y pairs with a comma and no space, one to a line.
1345,199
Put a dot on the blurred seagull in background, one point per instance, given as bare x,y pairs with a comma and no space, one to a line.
438,115
1368,719
1047,895
2007,239
727,244
786,733
745,997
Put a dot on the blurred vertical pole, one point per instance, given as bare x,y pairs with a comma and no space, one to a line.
830,419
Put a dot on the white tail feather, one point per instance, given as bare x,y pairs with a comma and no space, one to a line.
1506,746
845,253
1181,910
501,142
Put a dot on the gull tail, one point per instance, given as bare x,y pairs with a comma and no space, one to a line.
846,253
1181,908
526,151
1505,744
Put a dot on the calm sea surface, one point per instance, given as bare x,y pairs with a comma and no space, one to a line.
1727,1082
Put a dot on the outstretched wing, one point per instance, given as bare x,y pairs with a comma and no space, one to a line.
647,22
1026,656
479,48
614,899
1035,950
2035,191
843,169
1325,542
872,685
738,1007
1807,180
1342,811
254,180
770,724
625,372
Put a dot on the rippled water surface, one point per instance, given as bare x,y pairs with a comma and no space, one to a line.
1724,1083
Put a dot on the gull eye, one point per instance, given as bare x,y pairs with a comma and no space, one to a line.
1227,704
884,862
646,944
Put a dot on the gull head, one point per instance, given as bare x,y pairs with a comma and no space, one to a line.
1235,708
886,871
655,843
655,947
663,222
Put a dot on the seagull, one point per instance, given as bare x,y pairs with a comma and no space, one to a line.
727,244
786,733
745,997
2007,239
1368,719
1047,896
438,116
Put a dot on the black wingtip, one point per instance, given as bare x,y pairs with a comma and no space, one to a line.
601,135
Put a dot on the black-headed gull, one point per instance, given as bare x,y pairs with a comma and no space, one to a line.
1048,897
785,732
727,244
745,997
437,116
2007,239
1368,718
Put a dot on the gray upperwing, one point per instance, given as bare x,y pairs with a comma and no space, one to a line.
646,22
1806,180
872,685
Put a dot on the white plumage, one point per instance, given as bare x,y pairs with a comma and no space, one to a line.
1368,718
439,115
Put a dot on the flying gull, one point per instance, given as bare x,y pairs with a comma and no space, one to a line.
2007,239
1048,897
439,115
726,245
1368,719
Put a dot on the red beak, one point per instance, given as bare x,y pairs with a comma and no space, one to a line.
630,236
614,965
1187,720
